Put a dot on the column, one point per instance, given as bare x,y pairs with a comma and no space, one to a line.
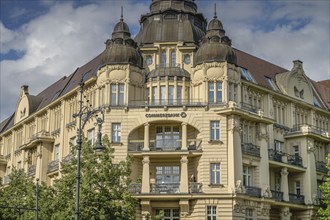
145,175
235,164
184,175
285,184
264,163
146,137
145,209
184,143
285,213
310,178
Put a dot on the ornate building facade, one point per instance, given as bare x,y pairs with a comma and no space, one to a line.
214,132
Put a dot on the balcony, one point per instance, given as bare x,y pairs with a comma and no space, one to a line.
305,129
6,180
31,170
195,187
135,188
162,145
67,159
166,102
53,166
42,136
249,107
250,149
297,199
295,160
165,188
253,191
277,195
274,155
321,167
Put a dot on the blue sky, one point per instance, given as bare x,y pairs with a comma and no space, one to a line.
43,40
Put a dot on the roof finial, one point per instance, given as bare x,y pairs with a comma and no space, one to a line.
121,16
215,10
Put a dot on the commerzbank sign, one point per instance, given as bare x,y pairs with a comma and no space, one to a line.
166,115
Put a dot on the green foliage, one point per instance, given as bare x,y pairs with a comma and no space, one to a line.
160,216
324,212
103,190
103,187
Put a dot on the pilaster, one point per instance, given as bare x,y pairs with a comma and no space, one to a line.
184,175
184,136
146,137
145,175
285,184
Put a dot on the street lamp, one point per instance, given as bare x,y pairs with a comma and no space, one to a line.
85,113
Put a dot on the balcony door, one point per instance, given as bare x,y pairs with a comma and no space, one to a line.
167,137
167,179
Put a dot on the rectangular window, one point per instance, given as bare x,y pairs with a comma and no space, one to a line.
170,95
215,130
117,94
219,92
121,94
247,176
163,58
168,174
211,213
169,214
249,214
215,173
296,150
101,96
278,146
163,95
173,58
297,187
56,152
179,94
113,94
91,136
154,95
116,132
211,92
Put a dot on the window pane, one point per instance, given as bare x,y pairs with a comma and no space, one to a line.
121,94
113,94
219,92
170,94
211,92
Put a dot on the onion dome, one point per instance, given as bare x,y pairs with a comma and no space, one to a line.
172,21
215,45
121,48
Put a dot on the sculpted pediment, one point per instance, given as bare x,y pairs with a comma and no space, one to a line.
295,83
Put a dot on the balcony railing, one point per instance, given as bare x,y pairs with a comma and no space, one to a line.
40,134
298,199
249,107
253,191
166,65
166,102
162,145
67,159
53,166
310,129
250,149
274,155
135,188
321,167
6,180
195,187
31,170
277,195
165,188
295,160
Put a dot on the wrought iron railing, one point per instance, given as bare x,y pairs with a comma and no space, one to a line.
53,166
162,145
275,155
67,159
321,167
295,160
277,195
166,102
195,187
249,107
253,191
32,170
165,188
6,180
135,188
250,149
295,198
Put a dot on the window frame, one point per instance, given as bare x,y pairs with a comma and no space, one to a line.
116,132
215,130
215,173
211,212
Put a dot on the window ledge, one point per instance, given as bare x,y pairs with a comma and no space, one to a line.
116,143
216,185
215,142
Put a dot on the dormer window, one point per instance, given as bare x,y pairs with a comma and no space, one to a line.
296,92
246,75
301,94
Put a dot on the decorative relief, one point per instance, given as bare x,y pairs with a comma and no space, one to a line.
310,146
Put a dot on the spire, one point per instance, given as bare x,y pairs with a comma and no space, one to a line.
121,16
215,10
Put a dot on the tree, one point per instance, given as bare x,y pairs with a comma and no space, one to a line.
324,212
103,187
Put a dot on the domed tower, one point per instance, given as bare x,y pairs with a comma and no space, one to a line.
121,72
168,37
215,65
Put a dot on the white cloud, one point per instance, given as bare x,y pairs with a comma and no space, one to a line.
66,37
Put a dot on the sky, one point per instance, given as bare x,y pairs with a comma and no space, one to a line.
44,40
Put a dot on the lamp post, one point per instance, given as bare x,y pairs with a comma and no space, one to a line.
85,113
